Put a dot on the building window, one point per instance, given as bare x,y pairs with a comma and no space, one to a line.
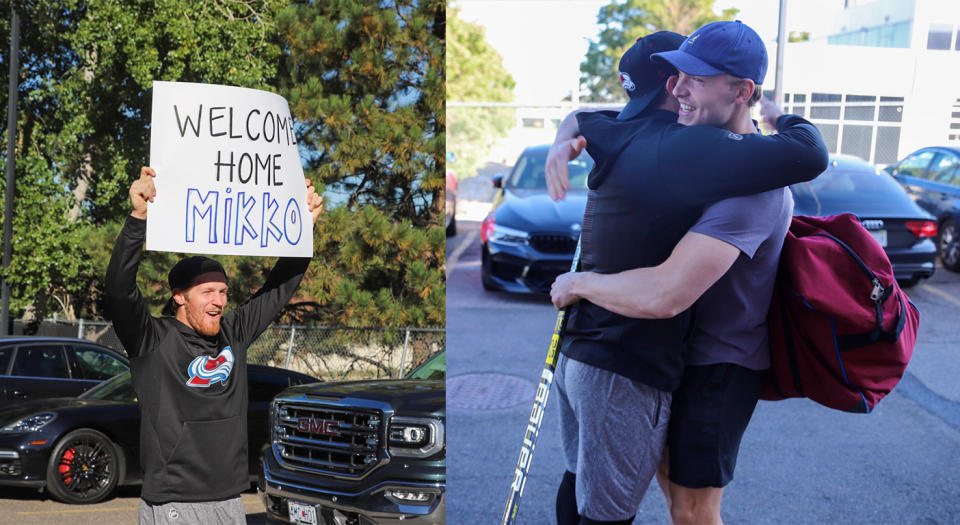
829,132
896,35
890,35
888,112
856,140
821,107
887,145
939,36
857,109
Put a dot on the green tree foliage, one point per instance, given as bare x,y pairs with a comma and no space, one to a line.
475,74
798,36
622,23
84,111
364,82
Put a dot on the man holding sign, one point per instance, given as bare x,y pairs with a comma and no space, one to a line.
189,370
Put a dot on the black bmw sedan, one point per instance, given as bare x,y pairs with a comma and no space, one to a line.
902,228
528,240
80,449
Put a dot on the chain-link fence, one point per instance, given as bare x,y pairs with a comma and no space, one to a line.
326,352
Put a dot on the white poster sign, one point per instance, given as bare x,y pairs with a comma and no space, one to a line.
229,179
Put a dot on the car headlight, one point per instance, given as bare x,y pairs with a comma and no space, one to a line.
504,235
415,437
30,423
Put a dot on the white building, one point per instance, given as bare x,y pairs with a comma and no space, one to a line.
884,82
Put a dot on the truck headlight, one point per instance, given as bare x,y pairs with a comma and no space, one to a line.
409,496
415,437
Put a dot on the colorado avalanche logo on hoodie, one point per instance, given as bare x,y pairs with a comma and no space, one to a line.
205,371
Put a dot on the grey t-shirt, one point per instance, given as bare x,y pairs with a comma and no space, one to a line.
731,317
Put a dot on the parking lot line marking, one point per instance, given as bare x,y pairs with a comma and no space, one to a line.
74,511
941,293
462,247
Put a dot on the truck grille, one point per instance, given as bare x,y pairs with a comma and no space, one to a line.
328,439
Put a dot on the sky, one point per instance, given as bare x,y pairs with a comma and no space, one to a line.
543,41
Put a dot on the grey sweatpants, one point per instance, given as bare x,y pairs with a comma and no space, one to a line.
613,432
226,512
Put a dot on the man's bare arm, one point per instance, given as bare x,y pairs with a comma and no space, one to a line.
658,292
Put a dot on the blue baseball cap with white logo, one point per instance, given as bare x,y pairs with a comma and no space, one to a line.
720,47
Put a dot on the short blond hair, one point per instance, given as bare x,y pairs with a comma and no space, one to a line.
757,89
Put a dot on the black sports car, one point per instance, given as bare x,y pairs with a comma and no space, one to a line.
528,240
81,448
38,367
903,229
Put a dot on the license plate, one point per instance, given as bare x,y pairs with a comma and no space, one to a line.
880,236
302,514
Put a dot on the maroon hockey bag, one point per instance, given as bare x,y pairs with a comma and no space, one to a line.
841,329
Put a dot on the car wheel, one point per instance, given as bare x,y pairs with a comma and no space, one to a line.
948,245
452,227
84,467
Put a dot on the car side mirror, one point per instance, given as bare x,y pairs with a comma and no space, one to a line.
497,180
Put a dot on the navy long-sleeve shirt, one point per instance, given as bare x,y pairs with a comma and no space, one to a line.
650,183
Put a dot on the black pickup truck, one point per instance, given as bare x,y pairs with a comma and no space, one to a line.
359,452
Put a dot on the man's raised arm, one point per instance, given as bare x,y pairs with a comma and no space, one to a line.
256,314
123,302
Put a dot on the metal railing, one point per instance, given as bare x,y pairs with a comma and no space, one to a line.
331,353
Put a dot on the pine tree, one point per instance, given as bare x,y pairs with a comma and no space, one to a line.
365,82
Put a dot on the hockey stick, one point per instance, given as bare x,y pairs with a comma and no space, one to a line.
536,415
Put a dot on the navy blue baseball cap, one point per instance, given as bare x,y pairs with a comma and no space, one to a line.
642,79
720,47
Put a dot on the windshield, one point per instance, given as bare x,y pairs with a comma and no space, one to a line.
120,388
433,368
529,173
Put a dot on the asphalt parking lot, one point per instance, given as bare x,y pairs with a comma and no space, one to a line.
29,507
800,463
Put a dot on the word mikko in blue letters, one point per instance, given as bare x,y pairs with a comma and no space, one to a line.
250,214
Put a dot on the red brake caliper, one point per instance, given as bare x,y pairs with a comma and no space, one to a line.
66,465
